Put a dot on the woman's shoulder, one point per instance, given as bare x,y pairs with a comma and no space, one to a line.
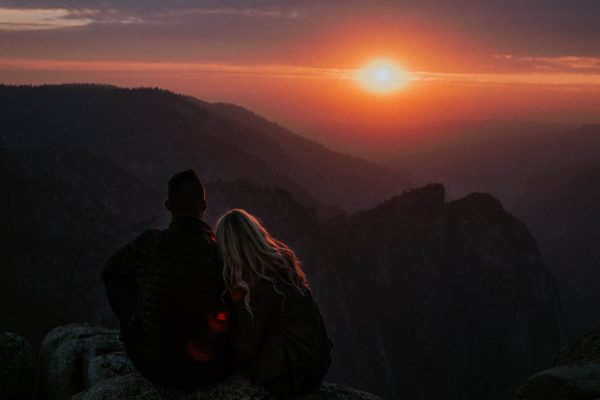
271,290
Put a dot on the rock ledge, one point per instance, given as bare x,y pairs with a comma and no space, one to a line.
87,362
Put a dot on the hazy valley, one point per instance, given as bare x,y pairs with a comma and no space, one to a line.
424,292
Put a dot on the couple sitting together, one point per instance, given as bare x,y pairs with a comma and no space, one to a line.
195,308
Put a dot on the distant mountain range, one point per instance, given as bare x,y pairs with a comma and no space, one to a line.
547,174
505,158
151,132
424,297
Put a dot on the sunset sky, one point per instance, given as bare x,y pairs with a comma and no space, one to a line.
298,62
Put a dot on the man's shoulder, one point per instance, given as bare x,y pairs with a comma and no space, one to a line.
183,244
148,236
151,232
199,237
132,255
144,241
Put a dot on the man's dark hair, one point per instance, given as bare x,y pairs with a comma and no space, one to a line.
186,193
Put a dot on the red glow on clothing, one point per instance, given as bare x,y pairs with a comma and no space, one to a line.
197,353
222,316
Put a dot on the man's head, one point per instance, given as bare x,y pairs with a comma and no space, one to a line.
186,195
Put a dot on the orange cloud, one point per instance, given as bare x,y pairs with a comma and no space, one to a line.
283,71
579,63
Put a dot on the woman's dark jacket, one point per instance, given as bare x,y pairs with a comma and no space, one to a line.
283,332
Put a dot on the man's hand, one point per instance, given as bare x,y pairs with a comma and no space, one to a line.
218,322
196,351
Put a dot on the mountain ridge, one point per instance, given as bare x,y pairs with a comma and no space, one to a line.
128,125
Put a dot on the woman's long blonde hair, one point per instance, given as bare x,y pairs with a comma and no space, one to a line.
250,253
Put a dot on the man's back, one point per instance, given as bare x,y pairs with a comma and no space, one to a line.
175,278
183,283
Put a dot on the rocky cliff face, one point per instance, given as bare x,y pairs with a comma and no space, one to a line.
455,291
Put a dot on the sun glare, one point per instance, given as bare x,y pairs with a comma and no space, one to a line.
382,76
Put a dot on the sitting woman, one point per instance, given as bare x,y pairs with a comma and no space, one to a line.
279,333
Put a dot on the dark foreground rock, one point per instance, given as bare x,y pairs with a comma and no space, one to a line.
76,357
135,387
87,362
17,369
575,374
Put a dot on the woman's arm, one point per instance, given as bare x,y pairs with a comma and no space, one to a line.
250,329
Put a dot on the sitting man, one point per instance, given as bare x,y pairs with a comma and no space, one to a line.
166,289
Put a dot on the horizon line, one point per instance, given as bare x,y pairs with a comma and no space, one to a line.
537,78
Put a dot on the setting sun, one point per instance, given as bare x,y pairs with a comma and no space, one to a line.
382,76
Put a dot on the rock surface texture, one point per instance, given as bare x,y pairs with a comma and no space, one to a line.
87,362
17,371
75,357
574,375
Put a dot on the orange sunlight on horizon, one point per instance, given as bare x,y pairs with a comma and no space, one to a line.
381,92
309,64
382,76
